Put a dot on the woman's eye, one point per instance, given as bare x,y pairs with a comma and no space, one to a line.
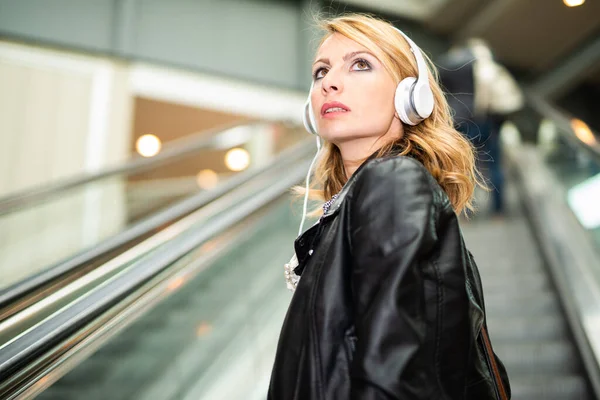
321,72
361,65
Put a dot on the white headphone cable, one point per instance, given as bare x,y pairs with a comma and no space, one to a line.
305,206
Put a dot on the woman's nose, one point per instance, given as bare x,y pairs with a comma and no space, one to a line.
331,83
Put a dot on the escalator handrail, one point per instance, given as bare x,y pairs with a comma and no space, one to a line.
137,164
563,120
47,335
9,296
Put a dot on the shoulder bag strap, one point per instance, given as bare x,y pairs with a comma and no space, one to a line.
487,345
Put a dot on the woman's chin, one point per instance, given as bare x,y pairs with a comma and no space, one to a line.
337,134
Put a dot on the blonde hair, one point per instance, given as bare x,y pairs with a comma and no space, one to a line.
445,153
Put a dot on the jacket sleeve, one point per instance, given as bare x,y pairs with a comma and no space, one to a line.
392,230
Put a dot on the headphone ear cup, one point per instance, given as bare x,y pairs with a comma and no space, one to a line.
313,120
422,100
402,102
308,118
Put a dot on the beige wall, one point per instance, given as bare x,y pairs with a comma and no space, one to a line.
61,114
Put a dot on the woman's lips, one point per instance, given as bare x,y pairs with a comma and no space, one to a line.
340,108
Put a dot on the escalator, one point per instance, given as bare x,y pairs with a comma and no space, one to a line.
57,219
221,327
538,316
526,322
102,289
193,306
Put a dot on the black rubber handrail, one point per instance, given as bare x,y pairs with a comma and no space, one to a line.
47,335
15,293
171,151
563,120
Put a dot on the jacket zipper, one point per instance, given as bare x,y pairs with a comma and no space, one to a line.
350,346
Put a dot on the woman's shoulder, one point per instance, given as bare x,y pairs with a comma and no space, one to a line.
394,170
394,176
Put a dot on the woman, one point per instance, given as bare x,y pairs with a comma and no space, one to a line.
388,301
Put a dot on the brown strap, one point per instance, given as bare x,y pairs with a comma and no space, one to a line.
490,355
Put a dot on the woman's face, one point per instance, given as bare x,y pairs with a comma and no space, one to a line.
353,94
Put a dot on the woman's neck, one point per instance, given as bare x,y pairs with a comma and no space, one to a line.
355,151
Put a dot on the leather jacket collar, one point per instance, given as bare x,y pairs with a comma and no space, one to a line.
347,187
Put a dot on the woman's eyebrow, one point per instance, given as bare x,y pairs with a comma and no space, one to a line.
347,56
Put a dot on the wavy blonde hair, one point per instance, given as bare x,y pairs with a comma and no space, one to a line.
446,154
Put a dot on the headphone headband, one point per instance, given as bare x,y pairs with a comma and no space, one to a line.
421,65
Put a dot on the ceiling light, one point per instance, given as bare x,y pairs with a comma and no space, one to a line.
148,145
237,159
207,179
203,329
583,132
175,283
573,3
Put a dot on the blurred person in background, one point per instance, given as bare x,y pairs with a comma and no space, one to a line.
388,303
482,95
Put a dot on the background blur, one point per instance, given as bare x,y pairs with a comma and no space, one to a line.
147,149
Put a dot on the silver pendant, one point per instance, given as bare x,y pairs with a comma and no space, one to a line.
291,279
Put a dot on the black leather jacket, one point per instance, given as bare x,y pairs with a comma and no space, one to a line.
389,304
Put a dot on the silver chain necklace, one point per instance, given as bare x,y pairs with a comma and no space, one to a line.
328,203
291,279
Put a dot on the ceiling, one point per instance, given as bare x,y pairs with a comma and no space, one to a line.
170,121
413,9
594,75
531,36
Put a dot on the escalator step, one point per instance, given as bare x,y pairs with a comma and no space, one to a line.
88,373
549,388
524,302
551,327
509,270
500,264
119,345
134,369
527,282
514,290
63,392
541,357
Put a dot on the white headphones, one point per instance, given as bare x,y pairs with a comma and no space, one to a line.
413,99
